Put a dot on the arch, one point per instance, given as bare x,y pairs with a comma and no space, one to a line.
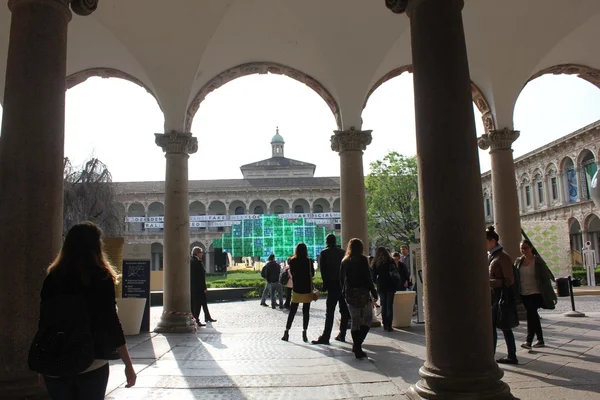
261,67
156,256
566,162
592,223
574,226
197,208
478,97
198,244
585,156
258,207
279,206
336,205
301,206
551,170
105,73
592,75
155,209
321,205
237,207
136,209
216,207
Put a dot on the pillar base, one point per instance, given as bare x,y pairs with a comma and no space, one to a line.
26,388
481,387
175,323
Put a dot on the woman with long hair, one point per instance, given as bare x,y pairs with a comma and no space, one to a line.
81,270
355,277
382,264
302,272
536,290
504,308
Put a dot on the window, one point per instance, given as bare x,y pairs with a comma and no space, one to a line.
258,210
278,209
540,190
299,209
239,210
488,207
318,208
528,196
554,188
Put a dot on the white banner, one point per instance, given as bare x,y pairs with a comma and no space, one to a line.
197,218
325,215
156,219
242,217
228,220
135,219
149,225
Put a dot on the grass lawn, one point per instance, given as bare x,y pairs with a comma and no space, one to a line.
234,276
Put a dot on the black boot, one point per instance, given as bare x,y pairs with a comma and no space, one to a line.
356,349
286,335
304,336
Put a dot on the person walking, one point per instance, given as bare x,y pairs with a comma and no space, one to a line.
358,289
302,272
504,306
382,265
267,289
535,282
288,286
80,285
330,261
198,287
272,271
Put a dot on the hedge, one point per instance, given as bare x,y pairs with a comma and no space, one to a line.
580,273
257,284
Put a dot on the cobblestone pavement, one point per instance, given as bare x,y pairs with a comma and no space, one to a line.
242,357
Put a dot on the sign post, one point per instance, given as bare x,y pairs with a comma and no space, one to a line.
136,277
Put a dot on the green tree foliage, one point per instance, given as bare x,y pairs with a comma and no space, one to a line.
393,200
89,195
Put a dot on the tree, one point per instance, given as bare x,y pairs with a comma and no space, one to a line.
393,200
89,195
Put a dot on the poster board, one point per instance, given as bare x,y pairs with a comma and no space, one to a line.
136,276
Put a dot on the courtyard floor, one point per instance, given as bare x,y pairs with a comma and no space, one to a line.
242,357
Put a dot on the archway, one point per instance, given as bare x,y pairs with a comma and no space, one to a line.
258,207
576,241
593,232
216,207
135,213
196,209
237,207
261,68
156,261
321,205
569,180
156,214
279,206
586,163
114,128
300,206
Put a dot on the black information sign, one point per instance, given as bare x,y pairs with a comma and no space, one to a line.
136,283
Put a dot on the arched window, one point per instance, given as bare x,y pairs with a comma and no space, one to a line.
239,210
258,210
299,209
318,208
278,209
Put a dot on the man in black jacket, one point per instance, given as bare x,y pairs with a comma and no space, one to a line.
198,287
329,265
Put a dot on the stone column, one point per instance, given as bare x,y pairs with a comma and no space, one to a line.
506,202
31,176
459,362
176,316
351,144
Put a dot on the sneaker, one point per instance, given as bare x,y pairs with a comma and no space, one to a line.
341,338
320,340
539,344
264,304
507,360
526,346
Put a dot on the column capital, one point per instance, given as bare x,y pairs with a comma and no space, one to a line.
350,140
177,142
501,139
405,6
79,7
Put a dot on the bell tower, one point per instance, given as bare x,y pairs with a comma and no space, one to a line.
277,144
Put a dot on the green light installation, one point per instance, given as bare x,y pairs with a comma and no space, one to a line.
272,235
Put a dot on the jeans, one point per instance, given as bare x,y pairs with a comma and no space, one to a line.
534,326
266,292
276,289
88,386
335,297
386,300
509,337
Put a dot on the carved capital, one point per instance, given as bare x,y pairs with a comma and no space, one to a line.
84,7
500,139
79,7
177,142
350,140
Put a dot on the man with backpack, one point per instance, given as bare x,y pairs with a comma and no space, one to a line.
329,265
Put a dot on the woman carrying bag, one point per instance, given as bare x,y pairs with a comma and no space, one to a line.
536,291
358,288
302,272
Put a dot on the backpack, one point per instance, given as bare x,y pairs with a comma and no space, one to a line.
395,276
284,278
64,342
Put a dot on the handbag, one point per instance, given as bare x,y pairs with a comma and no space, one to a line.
507,317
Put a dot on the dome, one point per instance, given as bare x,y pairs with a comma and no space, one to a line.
277,138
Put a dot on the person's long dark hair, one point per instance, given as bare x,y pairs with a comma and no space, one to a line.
490,234
82,250
354,248
382,257
301,251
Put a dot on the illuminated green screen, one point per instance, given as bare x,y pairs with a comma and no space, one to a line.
272,235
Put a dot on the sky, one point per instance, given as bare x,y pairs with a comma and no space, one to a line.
115,121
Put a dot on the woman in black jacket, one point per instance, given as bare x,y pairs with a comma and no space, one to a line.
81,270
302,272
355,277
386,286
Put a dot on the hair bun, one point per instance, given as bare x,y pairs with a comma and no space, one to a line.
491,228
